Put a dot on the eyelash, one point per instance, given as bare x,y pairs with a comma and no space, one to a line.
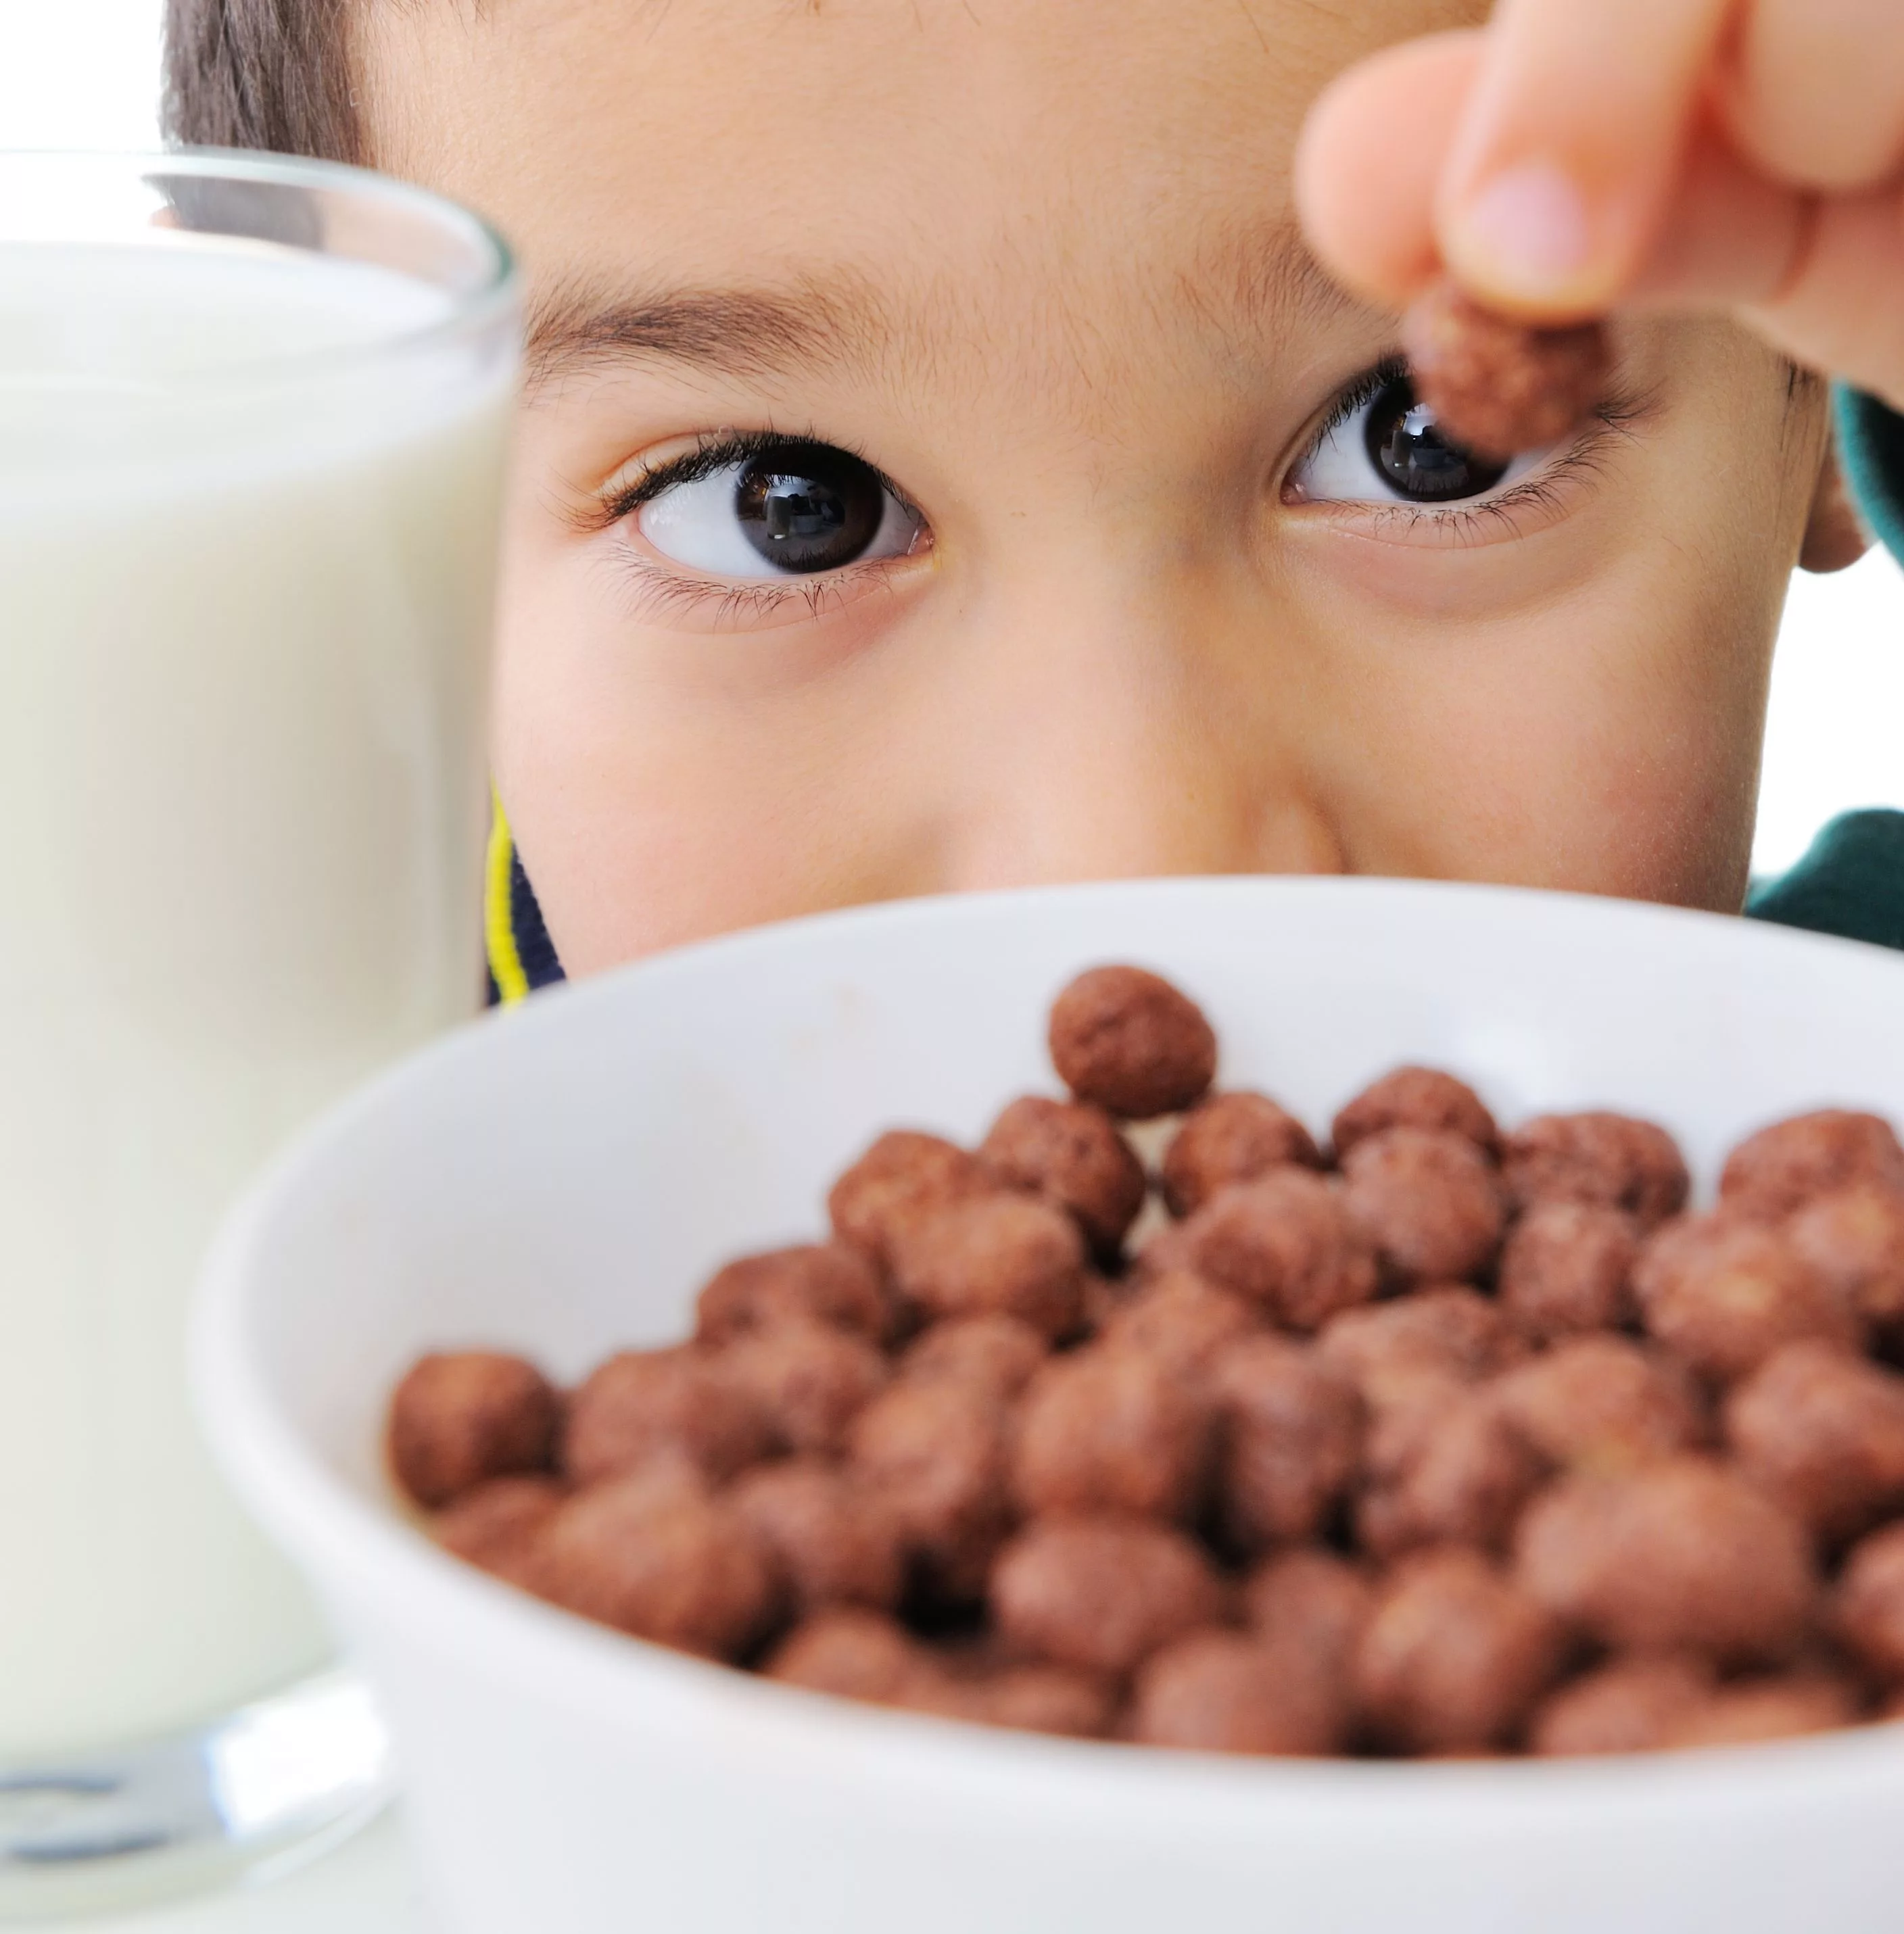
663,591
1543,490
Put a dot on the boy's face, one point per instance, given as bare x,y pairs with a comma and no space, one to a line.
1130,606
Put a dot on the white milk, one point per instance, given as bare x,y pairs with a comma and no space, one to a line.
243,631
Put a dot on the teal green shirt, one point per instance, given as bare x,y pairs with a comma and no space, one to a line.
1851,881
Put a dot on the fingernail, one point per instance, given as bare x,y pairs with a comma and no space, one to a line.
1525,234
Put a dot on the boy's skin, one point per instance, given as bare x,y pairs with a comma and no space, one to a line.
1038,261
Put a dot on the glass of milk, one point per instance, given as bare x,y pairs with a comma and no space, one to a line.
253,414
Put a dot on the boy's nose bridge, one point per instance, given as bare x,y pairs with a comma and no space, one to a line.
1110,744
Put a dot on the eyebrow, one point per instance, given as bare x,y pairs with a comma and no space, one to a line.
734,332
1241,284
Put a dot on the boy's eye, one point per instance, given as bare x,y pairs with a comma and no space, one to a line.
781,510
1382,446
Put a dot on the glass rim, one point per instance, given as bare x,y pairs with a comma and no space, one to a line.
496,296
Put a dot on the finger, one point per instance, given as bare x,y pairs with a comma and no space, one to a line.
1839,309
1367,160
1571,148
1814,91
1730,236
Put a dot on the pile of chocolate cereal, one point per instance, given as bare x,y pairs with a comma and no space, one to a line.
1439,1442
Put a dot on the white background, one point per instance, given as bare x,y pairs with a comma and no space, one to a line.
84,73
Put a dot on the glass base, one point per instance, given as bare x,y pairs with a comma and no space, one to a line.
256,1791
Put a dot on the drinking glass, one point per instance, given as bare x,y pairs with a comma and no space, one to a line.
253,416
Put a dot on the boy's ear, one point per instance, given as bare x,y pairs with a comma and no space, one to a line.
1835,535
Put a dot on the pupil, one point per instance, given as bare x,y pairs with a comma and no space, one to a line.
806,507
1420,464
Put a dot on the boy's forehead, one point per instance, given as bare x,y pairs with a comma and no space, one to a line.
958,150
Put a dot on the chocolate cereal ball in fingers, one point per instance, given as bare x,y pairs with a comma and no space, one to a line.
1497,385
1126,1041
1782,1167
1236,1136
1614,1162
1416,1098
1073,1156
1429,1202
459,1418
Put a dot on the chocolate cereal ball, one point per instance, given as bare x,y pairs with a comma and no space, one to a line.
1868,1604
1853,1238
1823,1433
1128,1042
1102,1593
810,1379
1722,1294
1782,1167
1230,1691
1416,1097
1628,1705
934,1454
458,1418
853,1654
1001,1255
904,1175
1429,1202
1603,1405
1289,1441
1499,385
995,1354
1027,1698
1754,1711
1613,1162
1452,1473
1434,1338
834,1541
1111,1430
1074,1156
682,1403
1233,1137
498,1526
654,1556
1180,1320
1684,1554
1285,1243
819,1282
1310,1602
1566,1270
1454,1656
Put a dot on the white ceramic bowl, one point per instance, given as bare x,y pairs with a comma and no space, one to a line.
559,1181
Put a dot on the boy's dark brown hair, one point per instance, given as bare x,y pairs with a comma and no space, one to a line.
260,73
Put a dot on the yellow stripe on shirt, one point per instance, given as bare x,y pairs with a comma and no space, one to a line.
505,967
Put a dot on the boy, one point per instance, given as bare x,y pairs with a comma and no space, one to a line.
946,465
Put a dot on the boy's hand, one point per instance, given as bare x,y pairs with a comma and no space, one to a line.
1578,156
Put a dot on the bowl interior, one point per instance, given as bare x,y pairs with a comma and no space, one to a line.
560,1180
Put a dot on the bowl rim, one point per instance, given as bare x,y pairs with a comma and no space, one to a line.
343,1537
